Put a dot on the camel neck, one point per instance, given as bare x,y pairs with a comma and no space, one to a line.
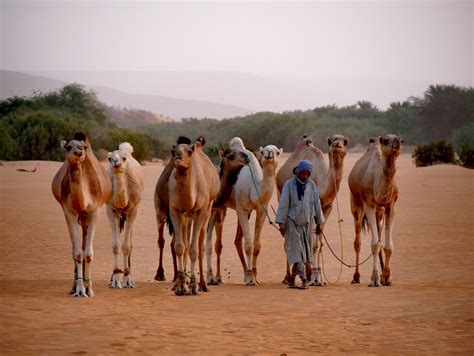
267,183
77,188
120,190
333,178
386,179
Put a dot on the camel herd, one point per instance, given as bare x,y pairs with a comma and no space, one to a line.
192,198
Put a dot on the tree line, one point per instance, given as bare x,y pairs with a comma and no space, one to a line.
31,128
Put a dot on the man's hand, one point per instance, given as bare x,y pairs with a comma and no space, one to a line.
282,228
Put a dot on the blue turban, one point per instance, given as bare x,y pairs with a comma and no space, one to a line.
303,165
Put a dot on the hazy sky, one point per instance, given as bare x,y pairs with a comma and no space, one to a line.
416,40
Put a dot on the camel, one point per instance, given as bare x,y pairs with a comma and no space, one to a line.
328,180
193,185
161,201
374,193
81,186
252,191
127,176
231,164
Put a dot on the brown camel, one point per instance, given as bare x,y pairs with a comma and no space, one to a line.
127,177
162,201
193,185
374,193
231,164
328,180
81,186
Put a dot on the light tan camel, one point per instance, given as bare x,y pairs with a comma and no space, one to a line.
81,186
328,180
252,191
374,193
162,201
127,176
231,164
193,185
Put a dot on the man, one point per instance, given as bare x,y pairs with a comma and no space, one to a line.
299,203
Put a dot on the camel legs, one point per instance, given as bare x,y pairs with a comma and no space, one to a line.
385,277
239,235
375,244
180,228
197,248
160,223
257,246
89,251
75,233
243,217
216,220
128,281
114,220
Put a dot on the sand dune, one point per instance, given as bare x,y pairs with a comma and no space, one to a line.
429,309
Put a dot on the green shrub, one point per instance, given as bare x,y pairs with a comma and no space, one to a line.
466,156
433,153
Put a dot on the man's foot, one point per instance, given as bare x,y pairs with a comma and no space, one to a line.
291,282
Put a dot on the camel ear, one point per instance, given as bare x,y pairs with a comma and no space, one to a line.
280,151
346,141
63,144
371,140
261,150
329,141
380,139
221,153
109,155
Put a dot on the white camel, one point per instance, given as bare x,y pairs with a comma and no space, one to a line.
127,177
252,191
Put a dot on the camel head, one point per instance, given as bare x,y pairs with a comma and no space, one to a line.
391,145
236,144
270,155
232,160
304,140
182,156
76,149
337,144
118,158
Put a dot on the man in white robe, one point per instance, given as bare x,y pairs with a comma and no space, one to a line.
299,203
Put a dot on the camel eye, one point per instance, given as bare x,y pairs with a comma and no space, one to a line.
124,159
401,141
68,148
345,142
386,141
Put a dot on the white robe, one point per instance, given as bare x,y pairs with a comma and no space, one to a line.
296,215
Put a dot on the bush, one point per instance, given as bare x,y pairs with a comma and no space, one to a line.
466,156
433,153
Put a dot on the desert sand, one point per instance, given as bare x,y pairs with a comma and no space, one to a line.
429,309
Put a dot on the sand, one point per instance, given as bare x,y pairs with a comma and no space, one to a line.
429,309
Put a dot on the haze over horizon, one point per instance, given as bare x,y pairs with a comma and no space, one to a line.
298,54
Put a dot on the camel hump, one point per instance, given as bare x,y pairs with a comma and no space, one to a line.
126,147
200,141
183,139
80,136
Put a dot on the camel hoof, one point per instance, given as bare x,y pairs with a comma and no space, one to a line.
128,282
115,281
316,283
160,275
374,284
219,281
80,293
285,280
203,287
386,283
212,282
89,292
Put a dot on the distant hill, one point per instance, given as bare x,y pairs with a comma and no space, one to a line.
257,93
21,84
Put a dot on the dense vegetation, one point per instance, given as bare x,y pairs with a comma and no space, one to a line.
31,128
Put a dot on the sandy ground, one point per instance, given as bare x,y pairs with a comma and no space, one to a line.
428,310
